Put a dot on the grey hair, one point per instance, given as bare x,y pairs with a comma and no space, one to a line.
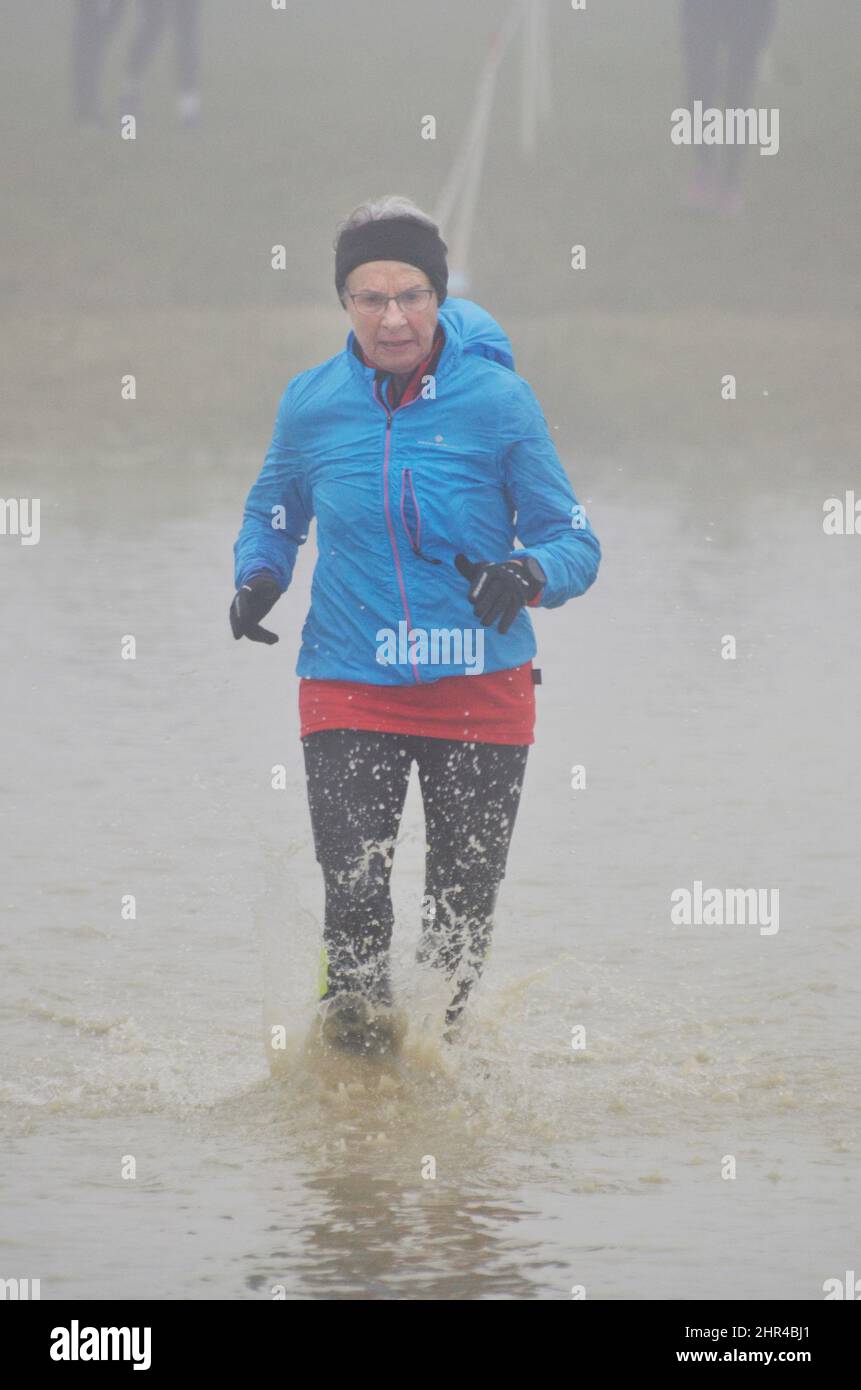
390,205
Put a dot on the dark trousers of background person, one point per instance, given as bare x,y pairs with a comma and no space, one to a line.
152,21
95,21
741,30
357,783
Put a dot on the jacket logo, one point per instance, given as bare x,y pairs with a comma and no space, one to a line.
438,442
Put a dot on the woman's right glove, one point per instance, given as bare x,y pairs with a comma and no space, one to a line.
251,603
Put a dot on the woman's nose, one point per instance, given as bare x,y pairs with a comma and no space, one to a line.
393,314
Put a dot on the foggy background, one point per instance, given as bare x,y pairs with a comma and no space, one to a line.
155,253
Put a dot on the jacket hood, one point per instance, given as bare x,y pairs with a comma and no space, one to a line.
481,334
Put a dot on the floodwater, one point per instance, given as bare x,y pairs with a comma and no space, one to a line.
555,1167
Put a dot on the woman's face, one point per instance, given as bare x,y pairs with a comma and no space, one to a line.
395,341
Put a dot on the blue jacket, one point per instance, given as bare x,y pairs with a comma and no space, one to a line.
466,467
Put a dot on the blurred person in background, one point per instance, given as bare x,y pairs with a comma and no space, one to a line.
423,456
152,22
94,22
737,33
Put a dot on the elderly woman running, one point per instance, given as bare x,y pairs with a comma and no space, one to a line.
423,457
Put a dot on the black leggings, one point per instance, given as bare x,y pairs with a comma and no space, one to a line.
357,783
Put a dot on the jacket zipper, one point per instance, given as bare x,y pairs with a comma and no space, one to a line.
392,537
415,541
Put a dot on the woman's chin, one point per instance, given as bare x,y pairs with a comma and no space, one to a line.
396,359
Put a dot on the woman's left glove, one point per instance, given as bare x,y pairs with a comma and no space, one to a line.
251,603
499,591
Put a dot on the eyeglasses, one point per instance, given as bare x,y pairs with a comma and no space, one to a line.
372,302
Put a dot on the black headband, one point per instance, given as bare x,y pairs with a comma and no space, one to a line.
393,239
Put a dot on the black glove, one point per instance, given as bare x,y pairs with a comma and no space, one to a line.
501,590
251,603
